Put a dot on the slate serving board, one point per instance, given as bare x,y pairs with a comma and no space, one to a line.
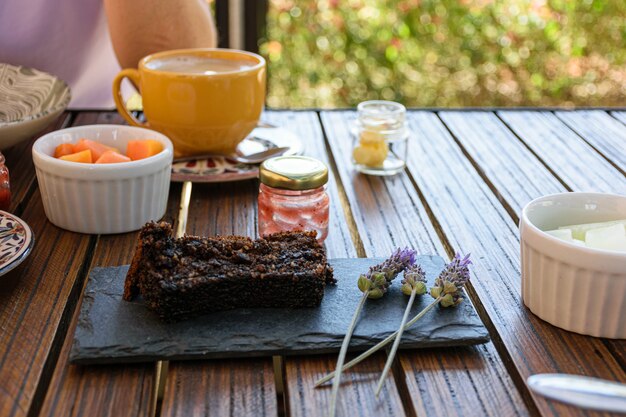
111,330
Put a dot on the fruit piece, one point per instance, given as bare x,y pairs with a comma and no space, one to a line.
82,156
144,148
64,149
97,149
369,137
611,238
112,157
370,154
563,234
372,149
579,230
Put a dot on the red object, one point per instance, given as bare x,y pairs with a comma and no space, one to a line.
284,210
5,188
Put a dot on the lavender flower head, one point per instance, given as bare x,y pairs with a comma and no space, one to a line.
414,278
451,280
379,277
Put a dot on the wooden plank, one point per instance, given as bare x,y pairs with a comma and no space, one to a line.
33,298
601,131
564,152
112,390
507,163
339,243
394,206
97,390
356,394
234,387
387,212
619,115
302,371
501,159
473,220
442,383
221,209
19,160
232,209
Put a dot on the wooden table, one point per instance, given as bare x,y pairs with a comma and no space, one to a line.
469,174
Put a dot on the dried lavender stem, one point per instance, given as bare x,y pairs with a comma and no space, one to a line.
342,356
396,342
385,342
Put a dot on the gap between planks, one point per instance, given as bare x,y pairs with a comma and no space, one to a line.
476,164
397,372
343,196
497,341
589,138
66,120
162,367
65,321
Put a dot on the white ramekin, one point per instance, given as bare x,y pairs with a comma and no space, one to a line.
579,289
103,198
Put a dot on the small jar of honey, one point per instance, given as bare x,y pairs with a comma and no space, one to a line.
380,138
292,196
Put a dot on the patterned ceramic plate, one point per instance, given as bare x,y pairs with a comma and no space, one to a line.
224,169
16,241
29,101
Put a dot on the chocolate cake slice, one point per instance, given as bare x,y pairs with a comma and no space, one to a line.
179,278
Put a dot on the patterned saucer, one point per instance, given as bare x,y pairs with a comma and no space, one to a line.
16,241
29,101
225,169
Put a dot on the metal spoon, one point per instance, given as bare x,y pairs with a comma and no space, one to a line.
581,391
255,158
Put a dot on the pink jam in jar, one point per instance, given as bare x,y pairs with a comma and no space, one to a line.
292,196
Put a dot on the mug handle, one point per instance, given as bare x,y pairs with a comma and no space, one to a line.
133,75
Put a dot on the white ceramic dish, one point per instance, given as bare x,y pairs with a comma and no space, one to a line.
576,288
103,198
29,101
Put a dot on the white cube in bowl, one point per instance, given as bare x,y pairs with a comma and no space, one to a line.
103,198
576,288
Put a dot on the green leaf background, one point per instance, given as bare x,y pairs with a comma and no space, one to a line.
448,53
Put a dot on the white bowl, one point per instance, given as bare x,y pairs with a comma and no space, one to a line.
29,101
579,289
103,198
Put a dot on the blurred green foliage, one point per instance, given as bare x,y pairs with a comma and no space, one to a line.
446,53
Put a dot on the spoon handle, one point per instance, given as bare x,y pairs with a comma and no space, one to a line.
581,391
255,158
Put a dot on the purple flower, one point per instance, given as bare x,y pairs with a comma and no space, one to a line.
380,276
399,260
452,279
414,278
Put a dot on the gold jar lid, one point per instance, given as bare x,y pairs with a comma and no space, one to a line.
293,173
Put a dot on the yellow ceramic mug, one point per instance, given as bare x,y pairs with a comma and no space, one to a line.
204,100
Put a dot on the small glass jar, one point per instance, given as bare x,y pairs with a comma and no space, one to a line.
5,188
292,196
380,138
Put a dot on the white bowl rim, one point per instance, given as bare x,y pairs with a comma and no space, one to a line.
58,108
168,148
560,242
